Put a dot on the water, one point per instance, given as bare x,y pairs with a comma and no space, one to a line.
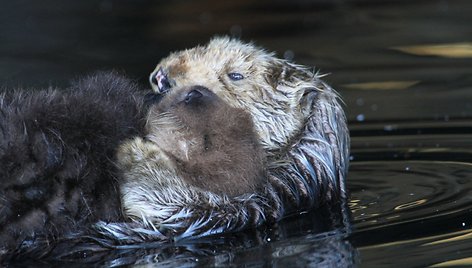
408,101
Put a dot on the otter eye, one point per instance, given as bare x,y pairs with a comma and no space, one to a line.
235,76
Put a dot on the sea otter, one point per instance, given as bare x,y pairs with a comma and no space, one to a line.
299,123
297,120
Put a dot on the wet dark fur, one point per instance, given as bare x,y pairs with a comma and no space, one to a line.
57,147
225,156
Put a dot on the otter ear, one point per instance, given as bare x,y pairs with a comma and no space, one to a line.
307,97
296,82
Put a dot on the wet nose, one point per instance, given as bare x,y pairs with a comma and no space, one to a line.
195,93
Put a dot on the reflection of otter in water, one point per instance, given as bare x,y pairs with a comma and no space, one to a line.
201,139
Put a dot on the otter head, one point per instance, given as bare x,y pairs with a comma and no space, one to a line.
210,144
277,94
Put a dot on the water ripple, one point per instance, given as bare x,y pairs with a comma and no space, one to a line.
388,193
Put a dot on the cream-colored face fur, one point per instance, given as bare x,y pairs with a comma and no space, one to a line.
276,93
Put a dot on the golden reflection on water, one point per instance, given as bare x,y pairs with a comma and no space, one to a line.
385,85
452,239
411,204
422,240
465,262
452,50
453,263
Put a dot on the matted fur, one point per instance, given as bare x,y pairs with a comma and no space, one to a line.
299,122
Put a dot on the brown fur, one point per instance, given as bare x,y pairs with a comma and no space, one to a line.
216,148
208,143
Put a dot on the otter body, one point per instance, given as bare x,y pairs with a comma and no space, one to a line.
298,121
57,157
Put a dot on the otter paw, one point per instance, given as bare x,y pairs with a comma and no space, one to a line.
139,152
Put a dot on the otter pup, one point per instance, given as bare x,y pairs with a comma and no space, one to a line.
213,145
194,139
57,157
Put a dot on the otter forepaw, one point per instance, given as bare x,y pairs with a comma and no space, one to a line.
138,152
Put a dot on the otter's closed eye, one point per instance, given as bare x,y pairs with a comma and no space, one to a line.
235,76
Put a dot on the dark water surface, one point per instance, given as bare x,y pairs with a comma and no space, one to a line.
403,68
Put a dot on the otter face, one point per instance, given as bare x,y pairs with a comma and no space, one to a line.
277,94
207,142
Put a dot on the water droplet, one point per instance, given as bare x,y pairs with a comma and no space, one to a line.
388,127
360,117
407,168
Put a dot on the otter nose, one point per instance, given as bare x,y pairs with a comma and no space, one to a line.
195,93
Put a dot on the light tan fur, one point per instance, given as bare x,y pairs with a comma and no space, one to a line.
275,92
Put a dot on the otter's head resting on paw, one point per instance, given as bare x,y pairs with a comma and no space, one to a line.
211,145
